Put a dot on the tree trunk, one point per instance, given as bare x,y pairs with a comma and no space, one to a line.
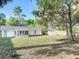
67,30
70,23
65,23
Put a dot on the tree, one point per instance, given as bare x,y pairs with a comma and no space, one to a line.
2,19
47,11
22,22
17,11
12,22
21,17
69,6
2,16
60,8
3,2
30,22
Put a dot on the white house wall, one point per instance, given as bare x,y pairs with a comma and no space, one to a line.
38,32
10,33
32,32
4,33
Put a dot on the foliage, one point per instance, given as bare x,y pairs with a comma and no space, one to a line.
12,22
2,19
22,21
3,2
17,11
30,22
59,13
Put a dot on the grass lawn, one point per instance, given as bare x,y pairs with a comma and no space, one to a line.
31,41
0,33
39,47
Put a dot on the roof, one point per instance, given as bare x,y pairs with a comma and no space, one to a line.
18,28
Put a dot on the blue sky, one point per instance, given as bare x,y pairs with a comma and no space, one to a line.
26,5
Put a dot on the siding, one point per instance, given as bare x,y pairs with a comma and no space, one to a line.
4,33
10,33
35,32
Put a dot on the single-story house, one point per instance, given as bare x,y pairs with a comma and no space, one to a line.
17,31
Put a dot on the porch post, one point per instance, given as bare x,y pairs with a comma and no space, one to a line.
17,33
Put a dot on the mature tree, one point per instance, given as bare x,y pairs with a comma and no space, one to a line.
47,11
2,19
2,16
17,11
54,10
21,17
22,22
69,6
30,22
12,22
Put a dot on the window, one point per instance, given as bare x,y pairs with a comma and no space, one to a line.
23,32
20,32
15,32
35,31
26,32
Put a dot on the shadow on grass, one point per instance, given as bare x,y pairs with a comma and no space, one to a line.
67,46
77,58
6,49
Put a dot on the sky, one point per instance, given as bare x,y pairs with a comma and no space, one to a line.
26,5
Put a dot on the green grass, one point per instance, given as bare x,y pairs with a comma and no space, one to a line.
60,48
8,44
29,41
0,33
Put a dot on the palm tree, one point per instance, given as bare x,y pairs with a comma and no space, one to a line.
3,2
17,11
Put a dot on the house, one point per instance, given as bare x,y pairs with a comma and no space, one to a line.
18,31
